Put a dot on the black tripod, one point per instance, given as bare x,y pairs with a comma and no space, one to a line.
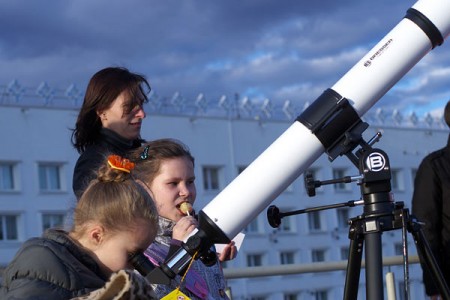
380,214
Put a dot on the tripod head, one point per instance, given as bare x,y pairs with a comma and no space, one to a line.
374,176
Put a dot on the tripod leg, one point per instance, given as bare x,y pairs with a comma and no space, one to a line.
424,250
406,293
354,264
374,266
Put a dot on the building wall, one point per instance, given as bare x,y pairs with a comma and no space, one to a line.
32,135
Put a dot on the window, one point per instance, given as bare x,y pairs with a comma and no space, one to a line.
50,177
211,178
257,298
254,260
290,297
320,295
8,228
287,224
287,258
241,169
344,253
7,178
314,221
342,218
397,183
253,226
398,249
51,220
290,188
337,174
318,255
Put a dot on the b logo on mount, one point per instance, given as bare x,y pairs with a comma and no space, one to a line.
375,162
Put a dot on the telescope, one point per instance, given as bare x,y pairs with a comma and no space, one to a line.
322,127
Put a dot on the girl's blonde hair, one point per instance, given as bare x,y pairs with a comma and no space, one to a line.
114,200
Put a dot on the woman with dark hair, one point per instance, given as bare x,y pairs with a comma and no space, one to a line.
109,121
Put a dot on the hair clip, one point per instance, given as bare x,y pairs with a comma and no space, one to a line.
144,154
119,163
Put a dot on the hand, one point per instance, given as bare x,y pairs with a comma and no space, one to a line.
436,297
183,227
229,252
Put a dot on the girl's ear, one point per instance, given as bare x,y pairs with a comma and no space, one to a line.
96,235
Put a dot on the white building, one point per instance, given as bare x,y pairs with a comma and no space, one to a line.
225,136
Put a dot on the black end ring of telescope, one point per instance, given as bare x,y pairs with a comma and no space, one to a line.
426,25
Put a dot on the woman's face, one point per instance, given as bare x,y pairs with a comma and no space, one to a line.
114,118
174,184
114,251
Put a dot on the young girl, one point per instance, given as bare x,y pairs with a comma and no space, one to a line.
166,168
114,218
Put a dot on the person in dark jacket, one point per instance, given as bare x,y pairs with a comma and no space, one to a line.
114,219
431,205
109,121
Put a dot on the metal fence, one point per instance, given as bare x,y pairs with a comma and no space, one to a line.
231,107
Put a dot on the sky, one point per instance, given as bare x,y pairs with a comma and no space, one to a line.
261,49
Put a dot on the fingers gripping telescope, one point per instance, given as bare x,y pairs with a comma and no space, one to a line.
322,126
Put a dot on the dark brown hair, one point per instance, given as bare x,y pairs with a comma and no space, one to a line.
103,88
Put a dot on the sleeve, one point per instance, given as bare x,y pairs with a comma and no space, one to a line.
427,207
32,275
33,289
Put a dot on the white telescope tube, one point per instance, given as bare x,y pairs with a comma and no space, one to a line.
297,148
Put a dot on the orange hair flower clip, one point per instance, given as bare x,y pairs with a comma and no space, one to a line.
119,163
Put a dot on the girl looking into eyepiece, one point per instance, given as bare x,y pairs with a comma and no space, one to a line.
114,219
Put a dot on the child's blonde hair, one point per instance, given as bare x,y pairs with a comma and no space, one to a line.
114,200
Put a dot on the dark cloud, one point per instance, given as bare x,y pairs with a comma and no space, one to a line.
266,49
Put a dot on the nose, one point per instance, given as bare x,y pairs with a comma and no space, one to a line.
140,113
185,191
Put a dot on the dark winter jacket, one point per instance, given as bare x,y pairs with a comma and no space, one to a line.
92,158
51,267
431,205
